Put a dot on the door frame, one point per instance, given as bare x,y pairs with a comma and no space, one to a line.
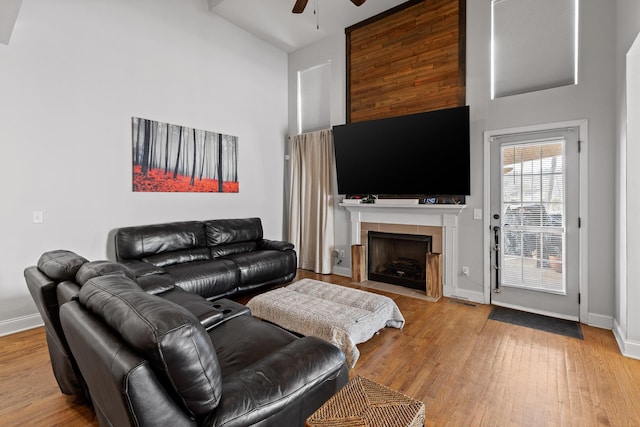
583,276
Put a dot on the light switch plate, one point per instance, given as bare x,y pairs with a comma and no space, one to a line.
37,217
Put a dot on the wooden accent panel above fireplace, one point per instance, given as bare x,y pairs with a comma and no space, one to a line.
407,60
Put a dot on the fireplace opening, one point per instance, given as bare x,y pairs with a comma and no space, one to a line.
398,259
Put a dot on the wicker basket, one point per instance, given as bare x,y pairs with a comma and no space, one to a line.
365,403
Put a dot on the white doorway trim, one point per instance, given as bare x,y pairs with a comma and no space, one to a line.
584,254
625,327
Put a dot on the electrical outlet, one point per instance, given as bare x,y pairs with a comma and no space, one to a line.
338,254
465,270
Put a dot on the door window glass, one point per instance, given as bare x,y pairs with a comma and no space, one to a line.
533,214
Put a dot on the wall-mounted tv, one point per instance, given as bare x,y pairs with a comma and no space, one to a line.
418,154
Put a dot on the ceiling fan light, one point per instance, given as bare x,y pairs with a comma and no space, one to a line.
299,6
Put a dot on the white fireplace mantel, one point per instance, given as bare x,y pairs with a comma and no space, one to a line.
445,216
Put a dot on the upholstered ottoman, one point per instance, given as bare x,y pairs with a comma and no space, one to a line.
338,314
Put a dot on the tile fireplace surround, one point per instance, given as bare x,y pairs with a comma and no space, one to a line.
439,221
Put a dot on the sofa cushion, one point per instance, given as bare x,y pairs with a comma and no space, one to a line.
223,231
60,264
142,241
93,269
244,340
178,257
164,333
214,278
262,266
233,248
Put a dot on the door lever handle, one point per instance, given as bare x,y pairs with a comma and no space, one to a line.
496,235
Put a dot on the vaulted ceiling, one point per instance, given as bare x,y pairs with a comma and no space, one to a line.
270,20
273,21
8,14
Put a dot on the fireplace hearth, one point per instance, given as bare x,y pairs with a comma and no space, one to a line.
398,259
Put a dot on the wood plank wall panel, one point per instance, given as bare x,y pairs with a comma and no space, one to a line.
407,60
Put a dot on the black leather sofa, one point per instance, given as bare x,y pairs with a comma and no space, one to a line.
145,352
150,362
214,258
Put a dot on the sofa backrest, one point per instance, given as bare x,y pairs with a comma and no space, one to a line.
93,269
149,241
233,236
169,336
178,242
225,231
60,264
124,388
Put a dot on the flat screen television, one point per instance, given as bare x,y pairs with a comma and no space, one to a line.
418,154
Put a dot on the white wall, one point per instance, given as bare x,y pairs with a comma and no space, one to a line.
627,310
593,99
74,74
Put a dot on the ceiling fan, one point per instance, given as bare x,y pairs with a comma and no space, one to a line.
301,4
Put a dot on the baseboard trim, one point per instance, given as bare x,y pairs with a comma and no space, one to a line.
463,294
600,321
19,324
342,271
628,348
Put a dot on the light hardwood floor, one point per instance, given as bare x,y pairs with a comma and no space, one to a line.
469,371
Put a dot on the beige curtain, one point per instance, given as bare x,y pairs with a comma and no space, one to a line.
311,202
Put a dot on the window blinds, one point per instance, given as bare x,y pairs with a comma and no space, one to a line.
314,96
534,45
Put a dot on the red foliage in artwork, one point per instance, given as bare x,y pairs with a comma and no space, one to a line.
158,181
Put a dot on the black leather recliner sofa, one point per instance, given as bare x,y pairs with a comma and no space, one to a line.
267,375
214,258
57,279
150,362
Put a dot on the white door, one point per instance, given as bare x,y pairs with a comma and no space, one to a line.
535,222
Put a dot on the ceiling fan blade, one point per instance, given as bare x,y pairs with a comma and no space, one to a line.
299,6
358,2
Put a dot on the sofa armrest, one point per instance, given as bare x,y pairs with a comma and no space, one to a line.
229,309
205,312
275,245
67,291
156,284
141,268
285,377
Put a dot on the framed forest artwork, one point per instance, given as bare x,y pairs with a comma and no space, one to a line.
173,158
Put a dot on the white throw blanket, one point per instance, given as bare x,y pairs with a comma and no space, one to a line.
340,315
